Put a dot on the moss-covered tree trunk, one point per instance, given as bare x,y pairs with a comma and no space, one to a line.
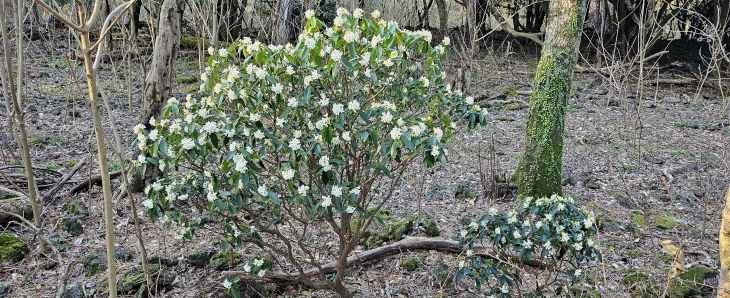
539,171
158,83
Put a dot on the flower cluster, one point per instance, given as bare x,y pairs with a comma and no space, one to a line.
303,127
549,229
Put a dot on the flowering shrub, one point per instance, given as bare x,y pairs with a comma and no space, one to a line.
553,231
290,140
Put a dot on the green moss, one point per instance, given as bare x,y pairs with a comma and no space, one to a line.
632,253
221,261
413,262
11,248
432,230
664,222
638,218
389,233
187,41
464,192
191,89
639,284
690,282
187,80
77,208
505,119
93,269
514,106
584,292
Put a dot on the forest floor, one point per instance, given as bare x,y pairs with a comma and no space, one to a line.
653,178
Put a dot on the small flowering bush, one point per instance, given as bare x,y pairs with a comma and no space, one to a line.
551,230
291,140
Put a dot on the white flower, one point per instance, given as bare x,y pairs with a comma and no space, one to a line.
346,136
516,234
278,88
337,108
211,51
497,231
302,190
375,14
561,207
549,217
461,264
138,129
217,88
493,211
336,55
309,14
387,117
538,224
357,13
446,40
349,37
504,288
293,102
564,237
258,134
469,100
350,209
577,272
526,223
212,196
326,201
289,70
223,52
588,222
141,159
579,237
355,191
337,22
187,143
388,62
395,133
226,284
147,203
527,243
329,32
438,133
247,267
341,11
324,101
258,262
262,190
435,151
589,242
463,233
353,105
424,81
578,246
261,273
210,127
336,191
324,161
231,94
294,144
288,174
469,253
474,225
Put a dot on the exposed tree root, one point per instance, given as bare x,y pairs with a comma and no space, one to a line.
407,244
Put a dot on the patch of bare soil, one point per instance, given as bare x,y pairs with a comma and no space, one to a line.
660,176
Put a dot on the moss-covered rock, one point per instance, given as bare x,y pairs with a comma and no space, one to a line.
638,218
640,285
200,258
464,192
514,106
95,261
390,233
429,225
187,80
689,283
11,248
71,225
664,222
412,263
77,208
222,261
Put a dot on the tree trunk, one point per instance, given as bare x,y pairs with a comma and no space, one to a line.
158,83
283,22
723,285
443,18
539,171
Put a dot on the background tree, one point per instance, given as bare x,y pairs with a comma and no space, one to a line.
541,163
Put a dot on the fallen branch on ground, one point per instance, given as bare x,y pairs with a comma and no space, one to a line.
65,179
407,244
93,180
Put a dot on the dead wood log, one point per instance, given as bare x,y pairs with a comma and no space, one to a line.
723,285
19,205
93,180
407,244
65,179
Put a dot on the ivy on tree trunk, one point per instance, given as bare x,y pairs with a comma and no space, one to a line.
539,170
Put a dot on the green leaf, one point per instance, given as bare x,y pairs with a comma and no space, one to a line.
328,134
